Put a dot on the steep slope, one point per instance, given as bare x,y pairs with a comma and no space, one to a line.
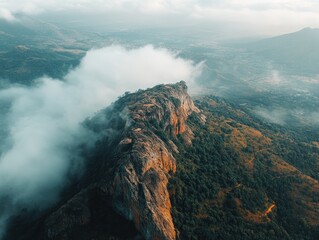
245,178
140,184
164,168
129,170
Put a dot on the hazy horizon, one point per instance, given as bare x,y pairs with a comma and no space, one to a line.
61,62
248,18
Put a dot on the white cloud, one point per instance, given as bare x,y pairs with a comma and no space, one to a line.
271,15
44,120
277,115
6,15
186,6
262,21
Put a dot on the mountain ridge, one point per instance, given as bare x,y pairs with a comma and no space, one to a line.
165,167
133,176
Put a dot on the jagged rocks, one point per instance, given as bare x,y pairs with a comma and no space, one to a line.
129,172
140,184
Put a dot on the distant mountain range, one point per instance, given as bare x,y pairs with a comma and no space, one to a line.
296,52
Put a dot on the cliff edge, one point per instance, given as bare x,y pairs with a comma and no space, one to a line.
123,193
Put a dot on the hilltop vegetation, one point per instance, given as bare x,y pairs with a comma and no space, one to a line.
164,167
244,178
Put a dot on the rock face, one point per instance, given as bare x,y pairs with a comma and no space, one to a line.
129,171
140,184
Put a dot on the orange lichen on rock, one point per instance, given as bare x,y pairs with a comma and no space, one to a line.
140,185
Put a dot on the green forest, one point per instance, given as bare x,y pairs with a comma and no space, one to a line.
216,195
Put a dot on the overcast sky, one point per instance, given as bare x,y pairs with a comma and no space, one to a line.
264,17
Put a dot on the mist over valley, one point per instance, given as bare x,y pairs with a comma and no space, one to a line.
185,122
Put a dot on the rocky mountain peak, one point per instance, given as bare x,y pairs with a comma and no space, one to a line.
140,184
129,171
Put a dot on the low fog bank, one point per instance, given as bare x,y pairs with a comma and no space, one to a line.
42,123
269,92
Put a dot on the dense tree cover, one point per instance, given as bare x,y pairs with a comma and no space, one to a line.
215,196
23,66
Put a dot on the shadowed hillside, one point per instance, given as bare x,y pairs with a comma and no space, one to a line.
164,168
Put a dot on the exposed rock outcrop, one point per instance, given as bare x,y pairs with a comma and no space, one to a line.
129,172
140,184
